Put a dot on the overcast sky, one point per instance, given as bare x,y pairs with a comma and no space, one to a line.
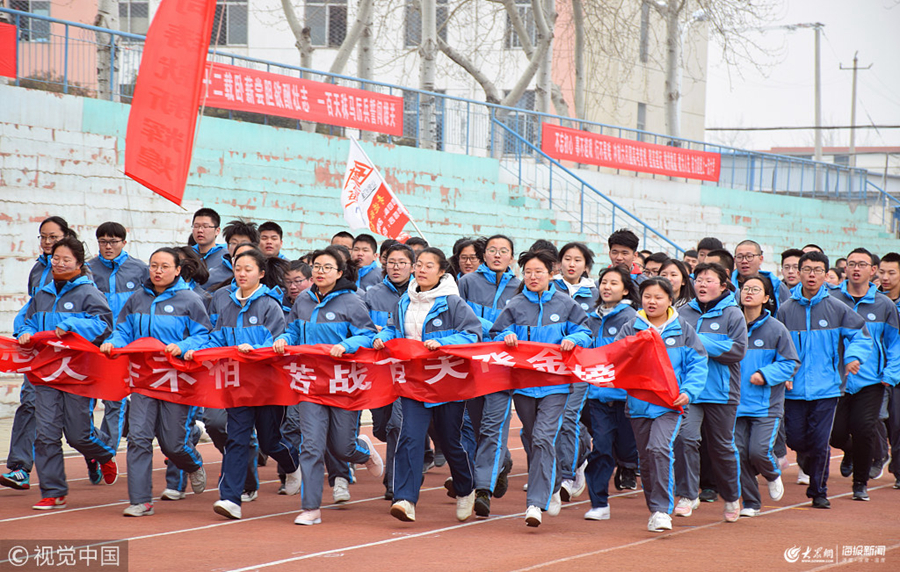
784,96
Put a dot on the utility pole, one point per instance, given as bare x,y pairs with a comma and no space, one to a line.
855,68
818,93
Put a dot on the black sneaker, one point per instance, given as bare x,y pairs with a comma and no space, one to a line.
94,474
439,459
897,483
877,469
629,480
261,458
821,502
859,492
482,503
617,478
708,495
451,490
846,466
503,480
388,494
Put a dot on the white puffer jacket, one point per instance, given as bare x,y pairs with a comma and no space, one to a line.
420,304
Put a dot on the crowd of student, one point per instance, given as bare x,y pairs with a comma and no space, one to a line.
808,360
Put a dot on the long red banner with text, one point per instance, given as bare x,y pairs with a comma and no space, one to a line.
244,89
223,377
585,147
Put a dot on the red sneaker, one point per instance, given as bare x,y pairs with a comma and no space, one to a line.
110,471
51,503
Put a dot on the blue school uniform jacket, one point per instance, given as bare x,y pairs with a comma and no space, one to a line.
882,321
782,292
77,307
770,352
368,276
686,353
549,317
38,276
340,317
219,272
258,321
218,299
381,299
604,331
586,295
723,331
118,279
175,316
213,259
818,327
485,295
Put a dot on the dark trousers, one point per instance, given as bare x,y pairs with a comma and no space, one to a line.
854,427
808,428
614,442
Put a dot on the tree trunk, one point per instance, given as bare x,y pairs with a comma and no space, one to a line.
363,15
578,19
427,56
107,17
544,19
365,59
303,43
672,96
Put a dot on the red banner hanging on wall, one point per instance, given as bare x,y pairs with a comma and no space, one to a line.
593,149
7,50
163,117
244,89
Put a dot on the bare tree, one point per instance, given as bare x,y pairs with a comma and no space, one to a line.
107,17
302,38
578,19
427,57
302,34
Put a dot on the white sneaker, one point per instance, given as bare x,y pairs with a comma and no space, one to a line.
464,506
341,491
749,512
732,511
204,436
776,489
309,517
580,484
685,507
525,487
404,510
198,480
802,478
533,516
659,521
567,490
555,504
374,464
172,494
227,509
143,509
292,483
597,513
249,496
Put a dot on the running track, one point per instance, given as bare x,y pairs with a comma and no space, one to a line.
361,535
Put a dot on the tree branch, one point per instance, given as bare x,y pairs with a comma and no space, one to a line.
491,93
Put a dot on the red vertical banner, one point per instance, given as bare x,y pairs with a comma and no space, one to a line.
7,50
163,116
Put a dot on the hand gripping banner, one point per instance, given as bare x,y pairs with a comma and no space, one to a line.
224,377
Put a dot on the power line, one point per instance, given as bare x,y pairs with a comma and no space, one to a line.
801,127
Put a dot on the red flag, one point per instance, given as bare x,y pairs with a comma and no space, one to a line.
163,116
367,200
7,50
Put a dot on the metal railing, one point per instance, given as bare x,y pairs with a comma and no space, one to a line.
571,195
64,56
889,203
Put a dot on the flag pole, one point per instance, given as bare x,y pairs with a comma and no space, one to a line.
417,227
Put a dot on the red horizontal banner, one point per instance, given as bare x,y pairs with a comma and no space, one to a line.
223,377
585,147
244,89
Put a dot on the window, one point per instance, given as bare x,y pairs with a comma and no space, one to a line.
134,16
843,160
413,35
645,33
641,120
411,127
327,22
525,124
230,23
32,29
511,39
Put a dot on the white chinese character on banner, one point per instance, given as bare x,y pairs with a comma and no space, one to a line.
286,96
495,358
64,369
351,107
170,376
228,82
398,369
267,90
22,355
248,90
227,371
548,361
349,379
300,376
379,112
345,113
329,106
277,93
238,88
445,368
304,99
600,375
132,373
260,93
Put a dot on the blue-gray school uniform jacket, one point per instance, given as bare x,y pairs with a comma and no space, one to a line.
220,272
549,317
175,316
486,296
827,335
368,276
38,276
882,321
604,330
258,321
381,299
686,354
118,279
213,259
723,331
77,307
586,296
217,299
782,292
340,317
770,352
